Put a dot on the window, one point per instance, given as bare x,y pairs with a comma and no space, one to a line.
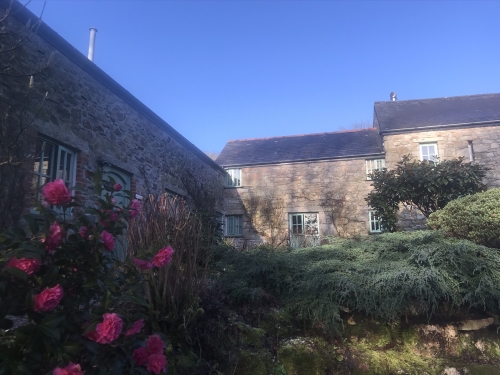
429,151
304,229
233,178
234,225
52,162
374,221
120,177
374,165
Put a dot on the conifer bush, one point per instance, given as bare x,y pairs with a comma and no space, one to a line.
474,217
386,276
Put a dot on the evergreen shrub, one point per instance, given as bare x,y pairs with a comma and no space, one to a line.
474,217
385,276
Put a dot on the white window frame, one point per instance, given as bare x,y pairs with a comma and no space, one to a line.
374,222
304,230
374,165
234,226
425,153
233,177
58,156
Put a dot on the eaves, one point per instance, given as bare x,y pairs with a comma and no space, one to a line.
441,127
306,161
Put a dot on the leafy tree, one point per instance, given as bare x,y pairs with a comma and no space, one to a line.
425,185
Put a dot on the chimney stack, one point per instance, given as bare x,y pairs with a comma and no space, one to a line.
93,31
394,96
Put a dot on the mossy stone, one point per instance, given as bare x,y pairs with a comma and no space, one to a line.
304,356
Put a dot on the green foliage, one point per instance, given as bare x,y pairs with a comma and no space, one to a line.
383,276
474,217
425,185
79,260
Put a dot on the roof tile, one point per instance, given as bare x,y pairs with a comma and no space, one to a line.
300,148
410,114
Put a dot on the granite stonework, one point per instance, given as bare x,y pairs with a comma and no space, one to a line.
451,143
302,187
102,122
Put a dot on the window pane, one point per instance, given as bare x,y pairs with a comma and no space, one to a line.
237,230
230,225
233,177
47,158
67,171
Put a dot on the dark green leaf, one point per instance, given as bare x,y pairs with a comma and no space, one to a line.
33,224
50,332
16,272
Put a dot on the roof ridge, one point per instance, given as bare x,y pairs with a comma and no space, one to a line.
442,97
301,135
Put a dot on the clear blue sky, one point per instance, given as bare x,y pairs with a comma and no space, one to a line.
221,70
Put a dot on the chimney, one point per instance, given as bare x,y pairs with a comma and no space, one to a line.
394,96
93,31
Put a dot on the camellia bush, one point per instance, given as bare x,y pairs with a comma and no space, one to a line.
474,217
68,306
424,185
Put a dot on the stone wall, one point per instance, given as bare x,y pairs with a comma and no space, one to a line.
451,143
302,187
92,115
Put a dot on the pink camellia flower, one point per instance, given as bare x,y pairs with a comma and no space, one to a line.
28,265
136,328
54,238
71,369
109,241
113,200
117,187
110,328
135,208
140,356
143,264
163,257
155,344
157,363
48,299
56,193
113,216
84,232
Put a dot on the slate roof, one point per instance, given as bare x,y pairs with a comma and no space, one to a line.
403,115
320,146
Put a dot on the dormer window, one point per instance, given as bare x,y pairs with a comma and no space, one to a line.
233,177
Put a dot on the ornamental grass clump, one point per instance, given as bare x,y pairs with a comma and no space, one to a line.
84,308
388,276
172,293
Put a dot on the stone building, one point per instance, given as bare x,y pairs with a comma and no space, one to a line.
87,121
305,188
